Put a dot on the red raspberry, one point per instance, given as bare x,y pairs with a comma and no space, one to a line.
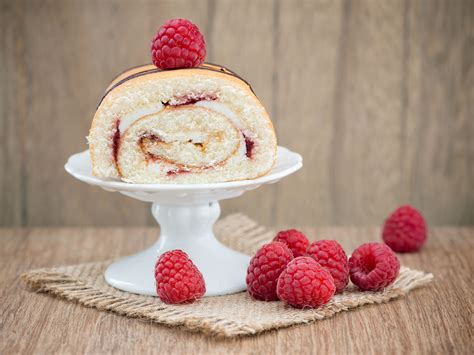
405,230
305,283
178,280
264,269
373,266
178,44
330,255
295,240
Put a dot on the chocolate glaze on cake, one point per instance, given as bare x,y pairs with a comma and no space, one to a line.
204,66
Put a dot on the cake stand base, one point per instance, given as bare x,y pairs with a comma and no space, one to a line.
189,228
186,214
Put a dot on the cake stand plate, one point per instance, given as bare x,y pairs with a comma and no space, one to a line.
186,215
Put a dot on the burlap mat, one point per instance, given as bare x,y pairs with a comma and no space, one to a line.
226,316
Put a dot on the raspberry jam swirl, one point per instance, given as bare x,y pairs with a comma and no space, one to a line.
188,134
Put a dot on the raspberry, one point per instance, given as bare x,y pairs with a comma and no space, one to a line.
178,44
373,266
264,269
330,255
178,280
305,283
405,230
295,240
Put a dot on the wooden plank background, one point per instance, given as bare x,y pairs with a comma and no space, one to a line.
376,95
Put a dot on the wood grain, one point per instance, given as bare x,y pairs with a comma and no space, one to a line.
305,103
376,95
12,115
252,38
367,119
439,116
433,319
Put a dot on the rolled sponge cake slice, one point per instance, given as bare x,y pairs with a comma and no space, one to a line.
183,126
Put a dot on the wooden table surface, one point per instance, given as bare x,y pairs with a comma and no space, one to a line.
436,318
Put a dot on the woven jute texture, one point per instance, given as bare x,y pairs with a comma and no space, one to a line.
226,316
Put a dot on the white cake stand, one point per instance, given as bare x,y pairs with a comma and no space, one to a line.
186,215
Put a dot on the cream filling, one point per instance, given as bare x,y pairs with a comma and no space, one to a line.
131,118
127,120
231,115
222,109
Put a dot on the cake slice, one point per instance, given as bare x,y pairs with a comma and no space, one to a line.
180,120
189,125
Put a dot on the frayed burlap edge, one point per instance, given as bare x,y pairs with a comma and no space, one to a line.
71,288
64,286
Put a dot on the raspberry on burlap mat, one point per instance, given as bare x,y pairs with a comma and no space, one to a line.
226,316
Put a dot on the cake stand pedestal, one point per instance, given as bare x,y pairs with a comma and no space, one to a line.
186,215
